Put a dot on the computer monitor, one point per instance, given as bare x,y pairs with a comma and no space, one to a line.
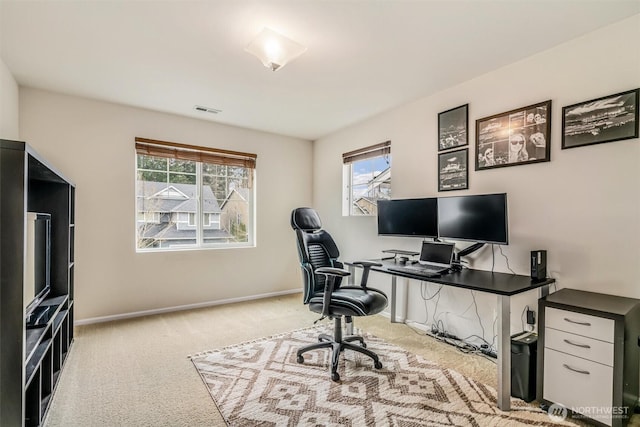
408,217
479,218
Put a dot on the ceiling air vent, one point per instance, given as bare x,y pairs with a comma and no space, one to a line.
207,109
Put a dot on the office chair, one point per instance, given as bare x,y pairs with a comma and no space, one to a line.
322,275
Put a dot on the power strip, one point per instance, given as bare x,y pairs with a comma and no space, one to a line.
447,335
489,353
435,333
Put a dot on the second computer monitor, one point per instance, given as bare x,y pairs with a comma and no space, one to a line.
479,218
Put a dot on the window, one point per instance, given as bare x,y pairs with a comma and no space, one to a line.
367,179
148,216
193,197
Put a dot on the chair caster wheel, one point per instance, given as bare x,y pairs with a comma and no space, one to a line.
335,376
300,359
378,365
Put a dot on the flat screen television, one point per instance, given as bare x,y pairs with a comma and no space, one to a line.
37,280
408,217
479,218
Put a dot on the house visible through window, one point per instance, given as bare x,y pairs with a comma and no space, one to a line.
190,197
367,179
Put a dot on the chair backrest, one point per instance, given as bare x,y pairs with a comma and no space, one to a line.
316,248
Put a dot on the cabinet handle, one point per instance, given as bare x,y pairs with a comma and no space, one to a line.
577,323
578,345
576,370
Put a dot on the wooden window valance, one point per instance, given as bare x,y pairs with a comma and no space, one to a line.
377,150
174,150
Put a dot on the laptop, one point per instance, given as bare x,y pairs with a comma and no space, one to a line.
436,256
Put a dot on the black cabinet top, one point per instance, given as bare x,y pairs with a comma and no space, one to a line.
592,301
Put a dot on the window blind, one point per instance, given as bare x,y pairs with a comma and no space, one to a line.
174,150
376,150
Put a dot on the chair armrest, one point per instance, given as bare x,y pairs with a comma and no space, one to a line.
331,271
366,266
329,285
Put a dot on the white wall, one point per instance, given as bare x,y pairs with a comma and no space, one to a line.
92,143
8,104
583,207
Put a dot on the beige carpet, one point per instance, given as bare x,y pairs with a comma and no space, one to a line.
135,372
259,383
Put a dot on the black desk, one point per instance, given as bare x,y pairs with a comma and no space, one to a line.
503,285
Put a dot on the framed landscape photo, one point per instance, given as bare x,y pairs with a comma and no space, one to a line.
517,137
453,170
453,128
607,119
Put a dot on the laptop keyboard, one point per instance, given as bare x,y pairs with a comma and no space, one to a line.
422,270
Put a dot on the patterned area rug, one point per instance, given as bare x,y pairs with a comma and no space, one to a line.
260,384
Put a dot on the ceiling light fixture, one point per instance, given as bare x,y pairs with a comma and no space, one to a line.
274,49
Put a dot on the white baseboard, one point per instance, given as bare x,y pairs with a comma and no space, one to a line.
410,323
419,326
102,319
388,316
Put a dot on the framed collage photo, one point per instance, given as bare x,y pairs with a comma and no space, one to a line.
607,119
453,170
517,137
453,128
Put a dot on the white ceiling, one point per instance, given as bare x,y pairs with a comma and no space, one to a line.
363,57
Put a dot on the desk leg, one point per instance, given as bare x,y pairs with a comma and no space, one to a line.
504,352
543,291
394,283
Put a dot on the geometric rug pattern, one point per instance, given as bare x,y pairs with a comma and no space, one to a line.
259,383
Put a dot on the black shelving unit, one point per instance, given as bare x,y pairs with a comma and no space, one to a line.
31,360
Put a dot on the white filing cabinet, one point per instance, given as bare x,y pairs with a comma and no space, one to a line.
588,354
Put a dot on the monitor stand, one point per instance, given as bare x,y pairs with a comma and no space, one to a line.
471,249
457,263
397,252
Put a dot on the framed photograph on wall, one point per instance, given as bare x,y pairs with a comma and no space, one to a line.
517,137
453,128
453,170
607,119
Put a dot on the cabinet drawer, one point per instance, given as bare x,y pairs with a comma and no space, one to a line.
577,345
578,323
578,384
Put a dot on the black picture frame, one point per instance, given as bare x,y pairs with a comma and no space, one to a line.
606,119
517,137
453,170
453,128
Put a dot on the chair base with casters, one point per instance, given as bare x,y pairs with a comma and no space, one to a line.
375,301
338,344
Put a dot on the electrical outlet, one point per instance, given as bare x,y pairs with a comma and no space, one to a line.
531,317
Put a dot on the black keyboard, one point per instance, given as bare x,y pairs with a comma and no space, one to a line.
419,270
